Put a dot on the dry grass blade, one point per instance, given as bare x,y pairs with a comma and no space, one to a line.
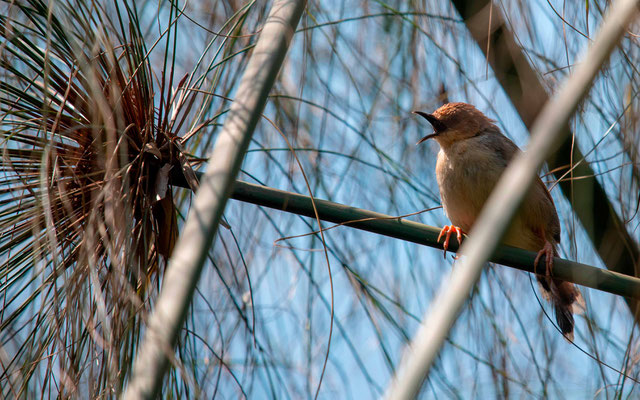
87,217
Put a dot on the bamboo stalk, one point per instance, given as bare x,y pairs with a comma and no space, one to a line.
370,221
387,225
615,246
165,323
546,136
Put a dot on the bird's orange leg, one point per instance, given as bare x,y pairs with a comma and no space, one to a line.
548,253
446,231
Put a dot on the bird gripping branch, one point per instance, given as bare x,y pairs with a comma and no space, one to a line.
473,154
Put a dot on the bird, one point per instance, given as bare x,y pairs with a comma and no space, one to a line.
473,155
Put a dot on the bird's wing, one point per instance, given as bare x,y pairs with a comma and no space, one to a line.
540,206
554,221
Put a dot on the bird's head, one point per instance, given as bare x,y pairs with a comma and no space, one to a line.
454,122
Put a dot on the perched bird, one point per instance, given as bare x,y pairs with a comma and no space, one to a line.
473,154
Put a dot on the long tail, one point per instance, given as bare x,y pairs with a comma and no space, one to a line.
566,299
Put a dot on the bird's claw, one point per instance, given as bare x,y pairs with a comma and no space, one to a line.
446,231
548,253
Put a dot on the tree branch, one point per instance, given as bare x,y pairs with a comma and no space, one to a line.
582,274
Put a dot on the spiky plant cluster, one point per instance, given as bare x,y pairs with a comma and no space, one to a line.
87,218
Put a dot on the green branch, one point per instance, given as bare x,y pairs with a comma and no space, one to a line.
582,274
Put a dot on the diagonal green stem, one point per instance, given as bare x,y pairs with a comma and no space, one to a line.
547,134
615,246
166,321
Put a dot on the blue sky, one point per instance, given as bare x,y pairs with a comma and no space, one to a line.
357,102
354,73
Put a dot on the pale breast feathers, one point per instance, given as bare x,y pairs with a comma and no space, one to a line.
466,179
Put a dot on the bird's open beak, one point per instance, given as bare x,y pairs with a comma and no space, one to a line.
438,126
424,139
